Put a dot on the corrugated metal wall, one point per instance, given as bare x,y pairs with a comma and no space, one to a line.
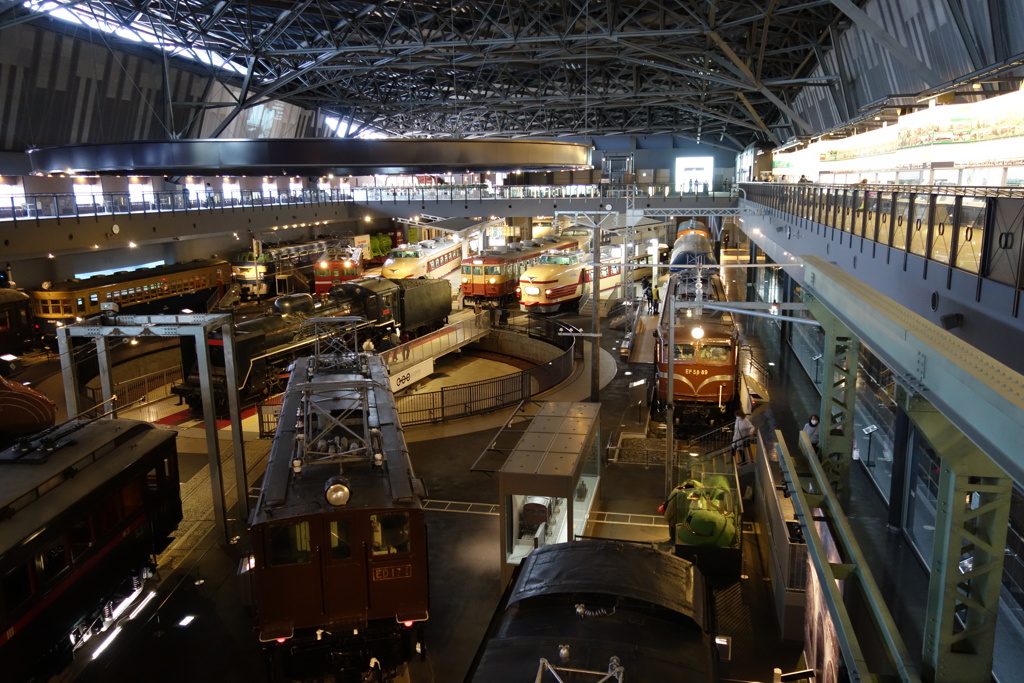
59,89
929,29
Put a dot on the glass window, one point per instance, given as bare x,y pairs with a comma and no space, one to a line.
942,228
390,533
919,226
108,515
341,540
79,537
467,270
53,559
715,352
684,351
492,270
131,497
478,270
904,215
17,587
289,544
968,239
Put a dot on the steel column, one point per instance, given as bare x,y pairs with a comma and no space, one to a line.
68,371
839,386
106,376
237,442
972,514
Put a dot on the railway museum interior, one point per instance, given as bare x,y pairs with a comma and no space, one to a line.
405,342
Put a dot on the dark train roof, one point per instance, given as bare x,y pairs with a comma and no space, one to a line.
34,489
363,286
621,569
8,295
286,494
601,599
138,274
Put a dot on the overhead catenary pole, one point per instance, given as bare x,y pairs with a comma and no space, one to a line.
670,379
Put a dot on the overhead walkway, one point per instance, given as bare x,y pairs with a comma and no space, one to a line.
414,360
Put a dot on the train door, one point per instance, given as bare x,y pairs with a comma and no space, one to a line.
343,560
397,565
283,579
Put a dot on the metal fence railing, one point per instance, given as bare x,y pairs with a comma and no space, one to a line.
476,398
142,390
465,400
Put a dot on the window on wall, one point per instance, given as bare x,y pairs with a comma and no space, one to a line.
11,192
140,190
89,192
231,190
692,173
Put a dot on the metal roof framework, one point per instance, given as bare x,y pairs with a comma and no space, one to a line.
721,72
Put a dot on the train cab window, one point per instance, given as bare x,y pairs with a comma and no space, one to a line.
131,497
17,587
684,352
79,538
492,270
108,515
478,270
467,270
714,353
53,559
390,533
289,544
341,540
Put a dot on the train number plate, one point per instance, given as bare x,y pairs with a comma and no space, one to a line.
402,571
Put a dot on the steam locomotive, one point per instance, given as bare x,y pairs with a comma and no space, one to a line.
265,345
600,610
339,568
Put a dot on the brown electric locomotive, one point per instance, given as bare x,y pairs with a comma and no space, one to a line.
339,568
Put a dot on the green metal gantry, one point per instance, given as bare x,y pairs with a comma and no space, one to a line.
839,391
973,507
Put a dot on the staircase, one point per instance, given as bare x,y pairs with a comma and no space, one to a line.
288,279
232,295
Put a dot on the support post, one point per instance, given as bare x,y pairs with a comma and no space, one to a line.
106,375
237,442
595,299
212,443
839,391
670,389
68,371
971,520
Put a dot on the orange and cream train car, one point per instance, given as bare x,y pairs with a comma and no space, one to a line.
494,275
559,281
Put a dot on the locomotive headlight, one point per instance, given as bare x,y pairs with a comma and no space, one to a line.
465,280
347,264
532,291
323,264
337,492
697,332
493,280
547,292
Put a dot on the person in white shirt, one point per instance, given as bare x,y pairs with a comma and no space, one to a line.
811,429
743,433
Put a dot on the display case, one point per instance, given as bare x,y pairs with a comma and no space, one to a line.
549,482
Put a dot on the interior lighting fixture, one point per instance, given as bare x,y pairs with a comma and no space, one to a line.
697,333
186,620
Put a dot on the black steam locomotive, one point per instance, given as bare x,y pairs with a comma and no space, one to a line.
266,345
83,508
599,607
339,568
